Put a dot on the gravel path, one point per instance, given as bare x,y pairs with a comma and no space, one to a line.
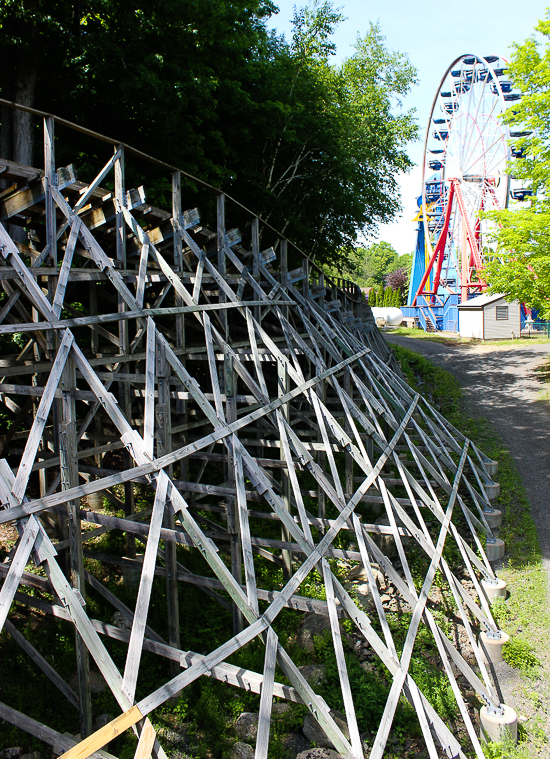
500,383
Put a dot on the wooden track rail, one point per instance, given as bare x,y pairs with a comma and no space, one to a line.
163,358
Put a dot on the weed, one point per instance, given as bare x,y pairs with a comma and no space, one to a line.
519,653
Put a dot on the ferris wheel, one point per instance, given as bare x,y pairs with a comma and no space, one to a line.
466,151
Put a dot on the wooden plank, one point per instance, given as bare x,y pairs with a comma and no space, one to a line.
146,742
57,741
131,669
341,664
105,734
35,435
266,699
140,290
65,269
250,575
17,566
149,412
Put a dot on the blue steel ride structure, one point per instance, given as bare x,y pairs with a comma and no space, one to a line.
466,152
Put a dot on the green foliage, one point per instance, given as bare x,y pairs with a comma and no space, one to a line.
312,147
519,653
378,259
522,268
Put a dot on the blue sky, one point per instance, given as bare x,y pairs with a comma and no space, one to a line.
433,34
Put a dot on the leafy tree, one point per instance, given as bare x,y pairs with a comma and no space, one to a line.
202,84
372,297
397,278
521,270
378,258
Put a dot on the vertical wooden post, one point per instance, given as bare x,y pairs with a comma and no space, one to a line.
233,525
51,220
124,388
228,382
321,391
178,262
322,297
69,479
93,312
283,386
51,181
181,405
164,445
255,228
305,287
349,489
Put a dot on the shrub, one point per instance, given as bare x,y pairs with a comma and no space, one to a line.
519,654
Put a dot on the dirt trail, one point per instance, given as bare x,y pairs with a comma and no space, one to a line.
500,383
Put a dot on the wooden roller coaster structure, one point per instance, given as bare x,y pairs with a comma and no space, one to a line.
210,375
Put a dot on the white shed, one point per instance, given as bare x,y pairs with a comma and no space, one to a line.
490,317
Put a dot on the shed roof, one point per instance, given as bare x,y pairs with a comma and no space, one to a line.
481,301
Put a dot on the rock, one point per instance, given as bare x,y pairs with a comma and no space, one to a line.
314,674
241,750
319,753
171,736
360,573
32,755
11,753
280,707
295,744
101,721
316,735
246,726
97,684
386,543
313,626
120,621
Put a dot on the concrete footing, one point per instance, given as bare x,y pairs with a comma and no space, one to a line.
95,500
494,589
494,518
495,727
495,550
492,489
491,467
493,647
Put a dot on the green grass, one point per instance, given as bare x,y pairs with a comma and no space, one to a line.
524,615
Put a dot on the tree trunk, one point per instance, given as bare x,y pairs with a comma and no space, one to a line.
6,132
23,142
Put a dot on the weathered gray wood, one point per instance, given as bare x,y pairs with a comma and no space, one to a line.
58,741
341,664
17,566
31,448
266,700
131,668
65,269
149,413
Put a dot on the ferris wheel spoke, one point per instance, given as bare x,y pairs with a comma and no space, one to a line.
477,109
481,132
485,152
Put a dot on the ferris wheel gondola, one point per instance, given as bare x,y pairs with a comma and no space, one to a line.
466,152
